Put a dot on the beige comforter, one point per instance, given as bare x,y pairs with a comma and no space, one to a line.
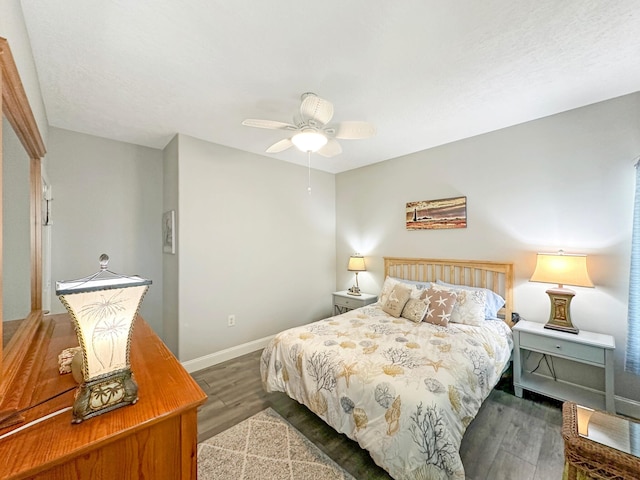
404,391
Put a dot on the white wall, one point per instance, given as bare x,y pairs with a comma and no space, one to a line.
107,198
564,181
251,242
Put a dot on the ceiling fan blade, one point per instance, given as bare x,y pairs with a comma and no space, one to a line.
354,130
280,146
270,124
316,109
331,149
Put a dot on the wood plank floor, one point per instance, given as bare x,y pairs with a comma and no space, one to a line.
511,438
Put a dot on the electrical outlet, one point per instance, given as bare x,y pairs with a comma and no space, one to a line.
231,321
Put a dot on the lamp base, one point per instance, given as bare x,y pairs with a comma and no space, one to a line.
561,328
354,291
560,315
104,393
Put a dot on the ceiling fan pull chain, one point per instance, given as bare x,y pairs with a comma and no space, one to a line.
309,164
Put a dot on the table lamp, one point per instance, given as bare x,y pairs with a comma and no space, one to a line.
563,269
356,264
103,307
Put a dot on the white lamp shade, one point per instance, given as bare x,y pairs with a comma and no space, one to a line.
356,264
309,141
103,320
563,269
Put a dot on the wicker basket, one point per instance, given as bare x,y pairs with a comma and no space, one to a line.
588,459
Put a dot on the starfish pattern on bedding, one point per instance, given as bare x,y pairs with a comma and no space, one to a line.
347,371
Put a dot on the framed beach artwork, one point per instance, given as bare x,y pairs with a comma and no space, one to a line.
168,232
437,214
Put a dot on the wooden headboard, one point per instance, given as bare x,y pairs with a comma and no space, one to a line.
495,276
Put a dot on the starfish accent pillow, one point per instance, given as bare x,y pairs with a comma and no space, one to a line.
441,303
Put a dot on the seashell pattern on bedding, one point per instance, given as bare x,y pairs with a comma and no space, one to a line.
404,391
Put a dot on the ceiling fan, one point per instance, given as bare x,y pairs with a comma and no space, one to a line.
310,129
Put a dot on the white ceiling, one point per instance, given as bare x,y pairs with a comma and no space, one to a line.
425,72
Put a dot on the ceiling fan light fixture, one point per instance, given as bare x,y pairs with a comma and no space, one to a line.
309,141
311,131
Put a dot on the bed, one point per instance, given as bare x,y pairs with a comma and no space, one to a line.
403,388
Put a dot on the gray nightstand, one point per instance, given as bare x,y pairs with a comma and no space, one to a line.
343,302
585,347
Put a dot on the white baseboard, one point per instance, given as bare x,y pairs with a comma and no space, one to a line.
224,355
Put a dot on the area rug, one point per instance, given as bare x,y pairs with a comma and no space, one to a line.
265,447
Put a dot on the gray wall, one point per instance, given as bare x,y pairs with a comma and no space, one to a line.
170,262
16,220
273,258
17,253
13,28
561,182
107,198
251,242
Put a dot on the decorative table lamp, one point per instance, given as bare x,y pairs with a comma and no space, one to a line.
356,264
103,307
563,269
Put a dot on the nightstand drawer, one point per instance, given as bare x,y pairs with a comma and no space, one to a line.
348,302
565,348
343,302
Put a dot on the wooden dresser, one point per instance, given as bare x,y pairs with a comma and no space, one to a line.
154,439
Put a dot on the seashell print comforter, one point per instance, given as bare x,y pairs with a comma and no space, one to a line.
404,391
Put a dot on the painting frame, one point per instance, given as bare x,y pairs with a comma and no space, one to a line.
169,232
440,214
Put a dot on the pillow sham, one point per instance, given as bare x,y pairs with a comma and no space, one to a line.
387,286
391,282
469,308
415,309
494,302
396,300
441,303
418,285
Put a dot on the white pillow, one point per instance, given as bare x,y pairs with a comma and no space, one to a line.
469,307
494,301
419,285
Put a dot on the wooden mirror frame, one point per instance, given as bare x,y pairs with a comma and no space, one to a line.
22,346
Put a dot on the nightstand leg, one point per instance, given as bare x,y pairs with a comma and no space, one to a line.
608,382
517,365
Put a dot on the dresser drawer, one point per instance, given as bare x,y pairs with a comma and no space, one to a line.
565,348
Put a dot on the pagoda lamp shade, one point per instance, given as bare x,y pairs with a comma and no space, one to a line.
103,308
356,264
562,269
